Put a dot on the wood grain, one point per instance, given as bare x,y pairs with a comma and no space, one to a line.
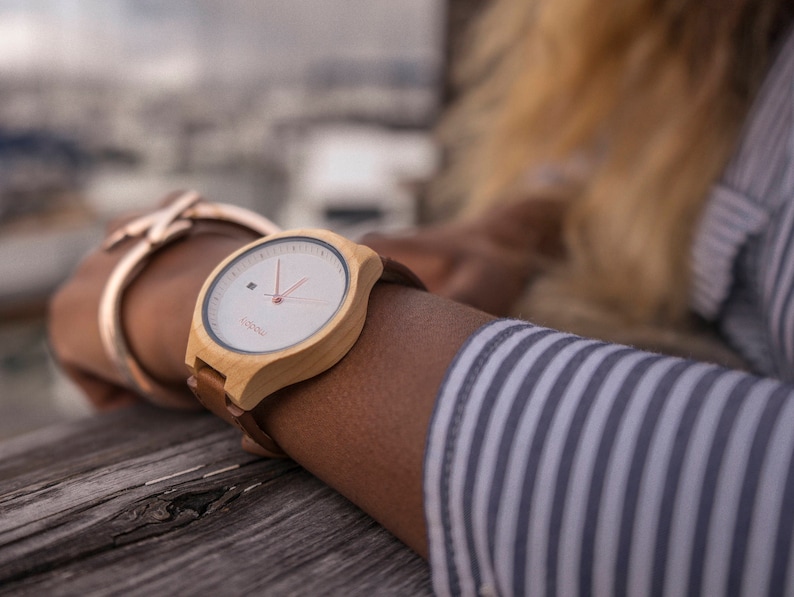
149,502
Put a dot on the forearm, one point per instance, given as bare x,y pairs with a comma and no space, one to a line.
161,301
360,426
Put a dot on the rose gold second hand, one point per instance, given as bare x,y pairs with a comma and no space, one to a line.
297,298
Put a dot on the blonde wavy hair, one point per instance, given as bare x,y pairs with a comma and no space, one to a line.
631,109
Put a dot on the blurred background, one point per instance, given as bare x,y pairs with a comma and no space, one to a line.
312,112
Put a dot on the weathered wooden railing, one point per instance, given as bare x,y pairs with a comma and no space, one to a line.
148,502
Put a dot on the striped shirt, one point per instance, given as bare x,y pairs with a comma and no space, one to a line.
559,465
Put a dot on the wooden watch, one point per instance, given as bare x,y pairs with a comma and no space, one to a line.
278,311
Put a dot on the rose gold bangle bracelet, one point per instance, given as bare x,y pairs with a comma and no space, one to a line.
154,231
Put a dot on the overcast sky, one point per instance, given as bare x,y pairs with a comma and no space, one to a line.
177,42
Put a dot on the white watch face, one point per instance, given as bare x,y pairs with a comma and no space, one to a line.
275,295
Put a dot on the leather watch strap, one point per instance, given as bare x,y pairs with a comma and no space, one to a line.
397,273
208,385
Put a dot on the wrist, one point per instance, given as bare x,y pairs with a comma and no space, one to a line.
158,306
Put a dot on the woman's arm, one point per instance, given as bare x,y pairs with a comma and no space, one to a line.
360,427
550,458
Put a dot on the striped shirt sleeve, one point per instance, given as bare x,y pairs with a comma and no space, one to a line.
558,465
742,267
775,273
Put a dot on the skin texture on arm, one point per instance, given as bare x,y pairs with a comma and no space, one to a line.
360,427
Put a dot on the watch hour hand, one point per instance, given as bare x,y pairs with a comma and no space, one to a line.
277,298
294,287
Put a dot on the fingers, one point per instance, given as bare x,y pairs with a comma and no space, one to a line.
73,329
74,334
102,394
397,247
432,259
75,344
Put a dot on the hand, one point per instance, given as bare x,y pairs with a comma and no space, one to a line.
156,312
485,263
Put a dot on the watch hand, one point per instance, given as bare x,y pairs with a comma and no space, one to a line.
278,276
292,288
278,299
